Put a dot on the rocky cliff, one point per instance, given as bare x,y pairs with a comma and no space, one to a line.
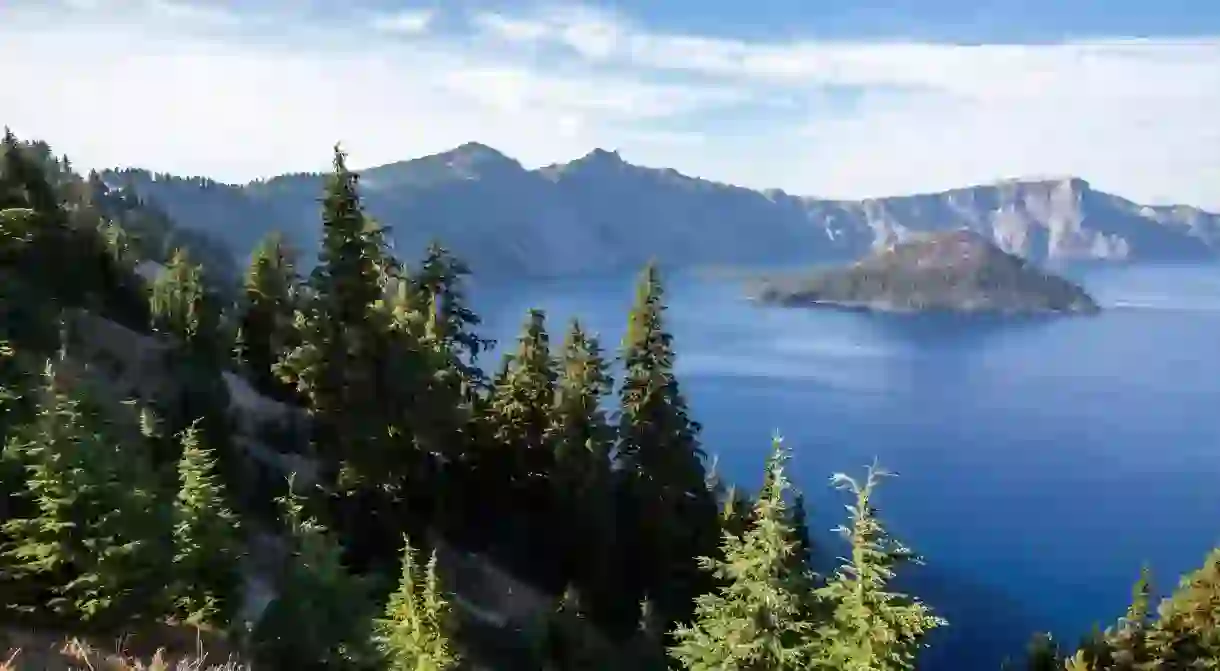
599,213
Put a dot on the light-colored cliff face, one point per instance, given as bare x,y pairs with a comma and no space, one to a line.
601,213
1055,219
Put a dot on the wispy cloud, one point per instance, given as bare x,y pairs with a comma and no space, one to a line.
849,119
408,22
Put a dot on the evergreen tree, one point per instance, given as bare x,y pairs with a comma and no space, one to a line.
429,405
583,442
735,508
320,617
1129,642
1186,634
1095,653
179,305
1042,654
521,404
207,541
93,546
669,518
266,330
759,617
439,284
338,365
800,526
871,628
415,633
519,419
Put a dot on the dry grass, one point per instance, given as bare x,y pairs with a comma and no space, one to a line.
34,651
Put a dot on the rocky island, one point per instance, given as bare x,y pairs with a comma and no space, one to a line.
950,271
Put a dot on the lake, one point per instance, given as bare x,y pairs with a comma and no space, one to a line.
1041,462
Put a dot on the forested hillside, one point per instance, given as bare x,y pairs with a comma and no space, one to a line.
318,471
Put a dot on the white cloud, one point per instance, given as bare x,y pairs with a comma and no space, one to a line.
210,95
406,22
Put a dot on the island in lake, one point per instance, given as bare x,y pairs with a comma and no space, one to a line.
956,271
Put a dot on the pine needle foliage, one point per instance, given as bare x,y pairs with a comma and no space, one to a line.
870,627
415,633
207,539
759,618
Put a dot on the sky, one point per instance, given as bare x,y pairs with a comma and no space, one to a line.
831,98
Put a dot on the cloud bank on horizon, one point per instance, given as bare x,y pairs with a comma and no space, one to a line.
207,89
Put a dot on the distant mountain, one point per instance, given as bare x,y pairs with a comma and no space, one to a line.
599,213
957,271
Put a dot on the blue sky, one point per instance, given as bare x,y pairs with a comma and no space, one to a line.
835,98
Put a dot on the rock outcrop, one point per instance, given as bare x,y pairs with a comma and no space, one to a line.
958,271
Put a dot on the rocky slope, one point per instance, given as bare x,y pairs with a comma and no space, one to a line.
600,213
959,271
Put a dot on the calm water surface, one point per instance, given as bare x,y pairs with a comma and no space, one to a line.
1040,462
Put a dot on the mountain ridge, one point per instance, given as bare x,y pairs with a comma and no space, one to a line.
600,212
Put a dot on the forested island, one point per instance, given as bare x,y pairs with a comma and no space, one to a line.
953,271
317,473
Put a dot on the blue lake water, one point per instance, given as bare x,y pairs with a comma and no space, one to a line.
1040,462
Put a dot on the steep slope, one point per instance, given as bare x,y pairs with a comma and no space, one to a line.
958,271
599,213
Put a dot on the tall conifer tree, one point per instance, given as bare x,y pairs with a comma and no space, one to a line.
759,617
521,428
338,365
521,404
583,442
265,331
439,283
871,627
207,540
670,517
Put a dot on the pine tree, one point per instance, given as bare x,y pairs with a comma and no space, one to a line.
520,426
583,442
1043,654
415,633
520,408
670,518
1094,653
439,284
207,540
266,331
800,526
871,628
430,406
179,305
1130,641
759,617
735,508
338,366
93,545
320,617
1186,634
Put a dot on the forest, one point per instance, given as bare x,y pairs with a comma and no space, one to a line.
131,498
